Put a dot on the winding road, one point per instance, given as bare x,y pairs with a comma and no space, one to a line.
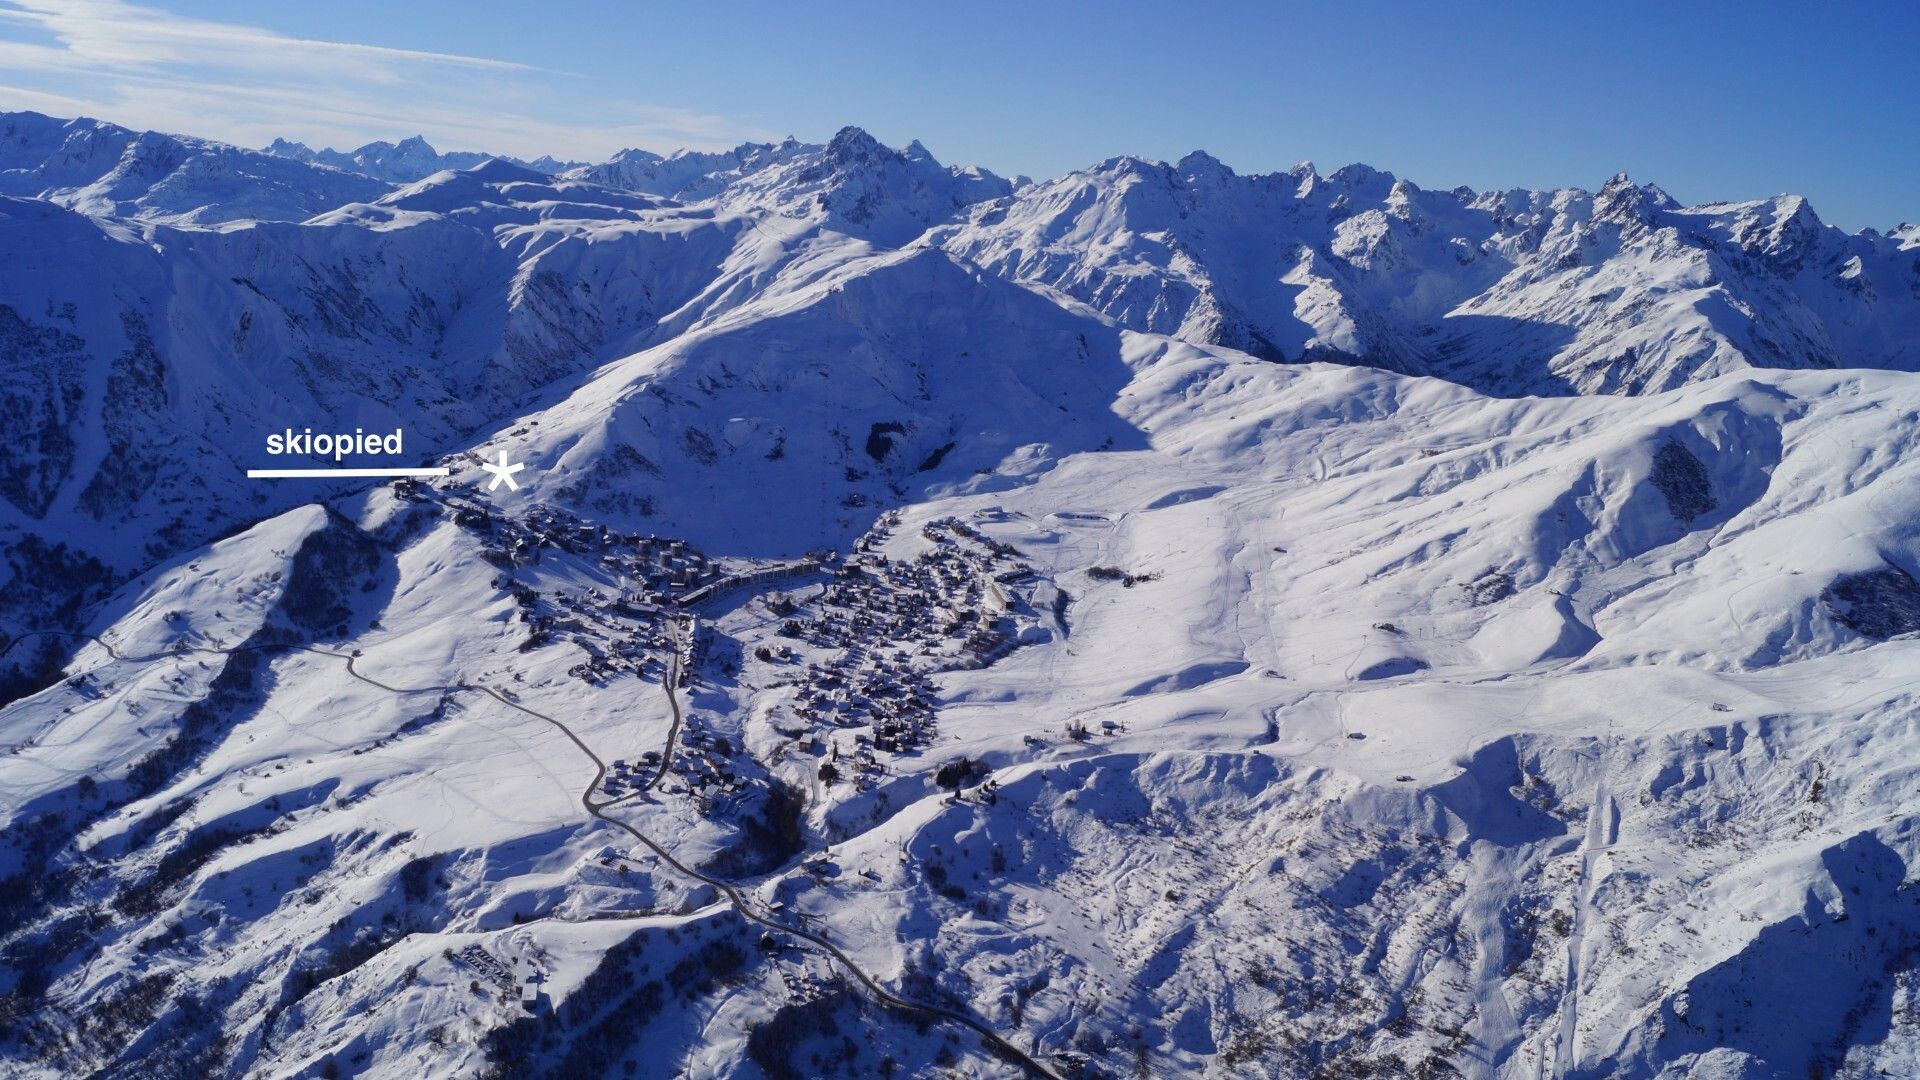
880,994
668,682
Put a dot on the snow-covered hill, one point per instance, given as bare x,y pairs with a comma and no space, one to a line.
933,636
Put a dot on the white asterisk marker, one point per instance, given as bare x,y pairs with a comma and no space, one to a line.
503,471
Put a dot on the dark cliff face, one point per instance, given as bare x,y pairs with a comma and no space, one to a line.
1878,604
42,372
1683,480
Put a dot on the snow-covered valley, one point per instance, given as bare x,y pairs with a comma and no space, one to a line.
1150,622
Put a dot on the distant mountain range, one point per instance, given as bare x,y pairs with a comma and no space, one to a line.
1620,290
402,162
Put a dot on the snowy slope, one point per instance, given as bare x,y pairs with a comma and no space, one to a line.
814,391
145,363
1022,651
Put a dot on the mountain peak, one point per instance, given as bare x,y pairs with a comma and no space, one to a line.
851,144
503,171
1621,200
1127,165
1199,163
1361,175
635,155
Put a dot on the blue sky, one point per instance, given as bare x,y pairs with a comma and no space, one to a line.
1709,100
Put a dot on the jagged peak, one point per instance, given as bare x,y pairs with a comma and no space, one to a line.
1620,199
633,154
851,144
1784,228
1125,165
1787,207
1358,174
789,145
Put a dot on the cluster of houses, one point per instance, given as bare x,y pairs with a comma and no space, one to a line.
657,576
890,625
634,645
625,778
883,693
657,568
886,626
705,763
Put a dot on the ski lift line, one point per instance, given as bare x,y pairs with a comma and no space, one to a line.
314,474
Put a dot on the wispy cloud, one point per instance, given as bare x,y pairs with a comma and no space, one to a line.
147,67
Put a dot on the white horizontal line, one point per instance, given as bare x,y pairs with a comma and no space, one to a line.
294,474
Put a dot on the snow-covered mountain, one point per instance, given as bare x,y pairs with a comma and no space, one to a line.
932,635
403,162
1622,290
856,185
103,169
853,183
688,174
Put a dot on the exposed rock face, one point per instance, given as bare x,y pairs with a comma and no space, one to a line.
1683,480
1879,604
1489,588
42,368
